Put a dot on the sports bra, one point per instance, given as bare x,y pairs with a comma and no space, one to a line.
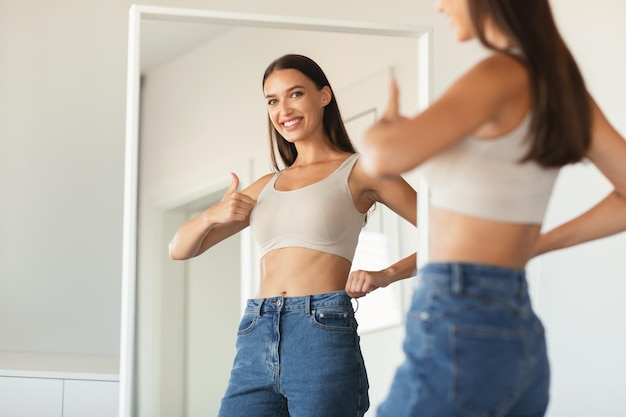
484,178
320,216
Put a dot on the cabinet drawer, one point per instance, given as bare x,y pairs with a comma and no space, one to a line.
90,398
31,397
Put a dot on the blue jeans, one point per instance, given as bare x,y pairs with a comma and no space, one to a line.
297,357
473,346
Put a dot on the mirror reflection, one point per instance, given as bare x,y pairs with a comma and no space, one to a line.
202,116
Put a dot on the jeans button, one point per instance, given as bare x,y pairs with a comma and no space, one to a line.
424,316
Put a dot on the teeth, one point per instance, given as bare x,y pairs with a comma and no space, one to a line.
291,122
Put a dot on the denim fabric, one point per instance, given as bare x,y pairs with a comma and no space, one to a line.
297,357
473,346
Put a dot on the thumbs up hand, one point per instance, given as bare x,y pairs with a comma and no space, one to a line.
392,111
377,136
234,206
234,184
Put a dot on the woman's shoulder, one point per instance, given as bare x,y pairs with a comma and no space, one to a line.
393,191
362,181
503,66
254,189
496,81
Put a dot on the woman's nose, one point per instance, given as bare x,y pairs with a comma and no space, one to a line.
284,108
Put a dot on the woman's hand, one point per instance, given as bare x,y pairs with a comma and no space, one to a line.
392,111
360,283
378,133
221,220
233,207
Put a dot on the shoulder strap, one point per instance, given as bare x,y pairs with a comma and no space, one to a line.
346,167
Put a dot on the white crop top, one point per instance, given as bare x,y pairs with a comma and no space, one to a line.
320,216
483,178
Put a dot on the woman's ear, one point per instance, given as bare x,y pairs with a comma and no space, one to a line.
327,95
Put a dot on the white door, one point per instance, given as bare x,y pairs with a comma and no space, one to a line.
213,310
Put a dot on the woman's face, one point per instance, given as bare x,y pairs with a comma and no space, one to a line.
458,13
295,105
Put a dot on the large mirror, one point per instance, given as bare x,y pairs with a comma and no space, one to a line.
195,112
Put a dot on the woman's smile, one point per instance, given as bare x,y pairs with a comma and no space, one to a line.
292,123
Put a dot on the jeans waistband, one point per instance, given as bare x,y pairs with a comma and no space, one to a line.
304,303
458,277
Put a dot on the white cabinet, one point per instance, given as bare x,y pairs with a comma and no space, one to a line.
90,398
58,385
46,394
31,397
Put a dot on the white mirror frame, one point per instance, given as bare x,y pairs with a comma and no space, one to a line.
138,12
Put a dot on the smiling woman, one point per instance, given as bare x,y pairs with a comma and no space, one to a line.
298,350
290,95
185,307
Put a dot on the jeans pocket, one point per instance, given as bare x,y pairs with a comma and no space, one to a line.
335,318
487,368
247,323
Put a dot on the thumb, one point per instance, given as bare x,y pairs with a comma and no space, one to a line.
392,111
234,185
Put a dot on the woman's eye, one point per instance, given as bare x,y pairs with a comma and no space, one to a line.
296,94
272,102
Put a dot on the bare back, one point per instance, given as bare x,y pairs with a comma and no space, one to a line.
459,238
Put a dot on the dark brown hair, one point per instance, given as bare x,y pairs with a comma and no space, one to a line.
333,123
561,108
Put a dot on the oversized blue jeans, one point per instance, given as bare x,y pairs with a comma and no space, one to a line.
297,357
473,346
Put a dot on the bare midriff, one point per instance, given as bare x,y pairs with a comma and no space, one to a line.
295,271
456,237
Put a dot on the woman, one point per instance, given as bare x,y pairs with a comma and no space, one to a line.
473,345
298,350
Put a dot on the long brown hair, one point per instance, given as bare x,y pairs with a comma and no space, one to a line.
561,108
333,123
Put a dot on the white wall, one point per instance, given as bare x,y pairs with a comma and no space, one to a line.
62,84
61,162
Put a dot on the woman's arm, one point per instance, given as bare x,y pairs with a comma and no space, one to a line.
400,197
397,144
225,218
608,217
604,219
360,283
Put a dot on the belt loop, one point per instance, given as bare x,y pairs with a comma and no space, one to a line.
355,309
456,286
259,311
307,305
